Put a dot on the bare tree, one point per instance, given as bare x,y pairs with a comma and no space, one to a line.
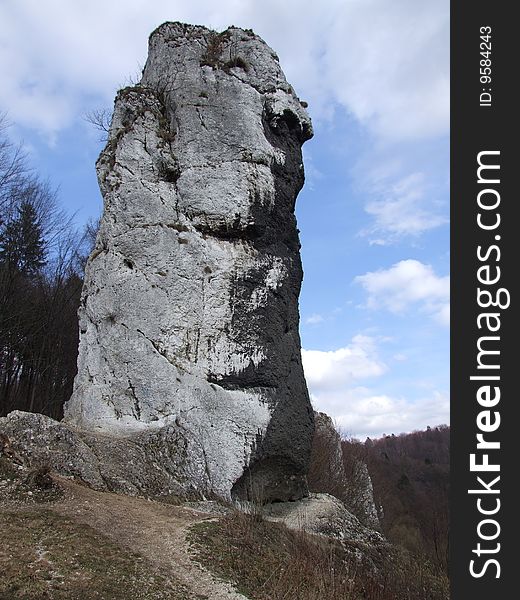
101,118
42,258
13,168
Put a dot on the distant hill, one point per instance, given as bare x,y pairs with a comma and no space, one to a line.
410,476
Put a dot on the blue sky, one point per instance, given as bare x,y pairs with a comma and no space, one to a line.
374,211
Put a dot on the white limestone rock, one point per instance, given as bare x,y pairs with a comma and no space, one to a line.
189,315
363,497
322,514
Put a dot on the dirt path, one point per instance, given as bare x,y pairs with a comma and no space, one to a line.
156,531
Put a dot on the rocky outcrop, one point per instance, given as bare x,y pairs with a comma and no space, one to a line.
322,514
326,471
151,463
362,496
189,314
345,477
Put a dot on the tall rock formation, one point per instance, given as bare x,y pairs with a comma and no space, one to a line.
189,315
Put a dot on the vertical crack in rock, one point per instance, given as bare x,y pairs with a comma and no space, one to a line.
197,262
137,407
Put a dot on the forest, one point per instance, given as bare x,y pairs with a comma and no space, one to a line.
410,475
42,257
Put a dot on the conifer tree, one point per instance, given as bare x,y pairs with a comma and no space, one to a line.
22,246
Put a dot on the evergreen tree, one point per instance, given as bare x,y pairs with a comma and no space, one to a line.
22,246
38,306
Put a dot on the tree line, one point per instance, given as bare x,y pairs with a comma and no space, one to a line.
410,476
42,258
410,473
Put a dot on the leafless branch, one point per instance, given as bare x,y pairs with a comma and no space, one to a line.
101,118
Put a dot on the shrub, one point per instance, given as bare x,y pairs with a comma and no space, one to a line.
267,561
238,61
39,477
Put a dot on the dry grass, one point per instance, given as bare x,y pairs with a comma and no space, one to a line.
261,557
27,486
266,561
46,556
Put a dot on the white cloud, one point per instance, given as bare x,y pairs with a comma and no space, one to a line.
442,315
408,283
325,370
361,413
389,62
401,210
386,63
335,381
314,319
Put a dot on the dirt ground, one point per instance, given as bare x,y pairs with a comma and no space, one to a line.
156,531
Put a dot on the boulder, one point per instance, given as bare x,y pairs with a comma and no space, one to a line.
323,514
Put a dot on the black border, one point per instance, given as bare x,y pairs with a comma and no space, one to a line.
474,129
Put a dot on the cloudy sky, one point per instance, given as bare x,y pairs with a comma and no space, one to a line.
374,211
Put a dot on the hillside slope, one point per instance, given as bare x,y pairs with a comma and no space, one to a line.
410,474
64,541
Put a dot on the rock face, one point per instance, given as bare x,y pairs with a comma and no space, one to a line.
327,471
189,316
322,514
348,480
363,497
151,463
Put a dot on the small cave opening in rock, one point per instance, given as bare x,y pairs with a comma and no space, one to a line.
169,173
